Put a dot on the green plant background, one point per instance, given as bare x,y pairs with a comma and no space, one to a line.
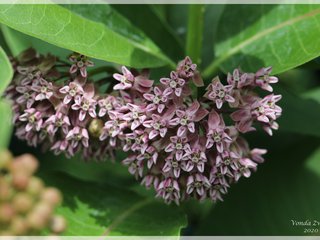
102,198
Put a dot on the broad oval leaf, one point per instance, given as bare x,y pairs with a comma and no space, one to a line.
252,36
156,27
92,210
6,72
86,33
19,42
282,190
297,116
5,124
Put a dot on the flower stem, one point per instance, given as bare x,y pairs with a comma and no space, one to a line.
195,37
195,32
212,69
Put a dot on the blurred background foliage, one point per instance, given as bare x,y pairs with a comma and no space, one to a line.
102,197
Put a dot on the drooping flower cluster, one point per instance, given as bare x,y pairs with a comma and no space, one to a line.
26,205
177,144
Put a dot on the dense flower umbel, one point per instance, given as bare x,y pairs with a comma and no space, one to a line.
180,146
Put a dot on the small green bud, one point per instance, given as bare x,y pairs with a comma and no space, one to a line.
95,127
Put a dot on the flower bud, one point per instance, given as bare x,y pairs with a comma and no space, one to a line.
44,210
51,196
27,162
35,186
18,226
22,202
20,181
95,127
35,221
58,224
5,190
5,159
26,206
6,212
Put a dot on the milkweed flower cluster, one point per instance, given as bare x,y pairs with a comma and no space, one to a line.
26,204
177,144
56,108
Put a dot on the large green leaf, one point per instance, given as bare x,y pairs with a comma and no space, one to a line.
252,36
313,94
5,124
98,32
92,210
212,15
18,42
282,190
156,27
299,115
91,171
6,71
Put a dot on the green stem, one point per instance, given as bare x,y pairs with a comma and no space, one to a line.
195,32
195,36
212,69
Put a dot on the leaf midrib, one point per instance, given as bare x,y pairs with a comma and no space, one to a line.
120,218
156,52
216,63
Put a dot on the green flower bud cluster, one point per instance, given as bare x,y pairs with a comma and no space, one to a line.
26,204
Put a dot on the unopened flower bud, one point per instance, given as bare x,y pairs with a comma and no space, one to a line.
96,127
22,202
26,206
35,186
6,212
51,196
28,162
43,209
58,224
5,190
19,226
20,181
5,159
35,221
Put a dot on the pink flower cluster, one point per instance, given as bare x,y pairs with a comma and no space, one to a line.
179,145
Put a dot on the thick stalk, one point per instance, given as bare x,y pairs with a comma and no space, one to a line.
195,36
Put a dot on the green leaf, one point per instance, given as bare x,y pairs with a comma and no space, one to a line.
6,72
313,94
156,27
5,124
252,36
92,210
98,32
299,115
92,171
211,19
282,190
18,42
